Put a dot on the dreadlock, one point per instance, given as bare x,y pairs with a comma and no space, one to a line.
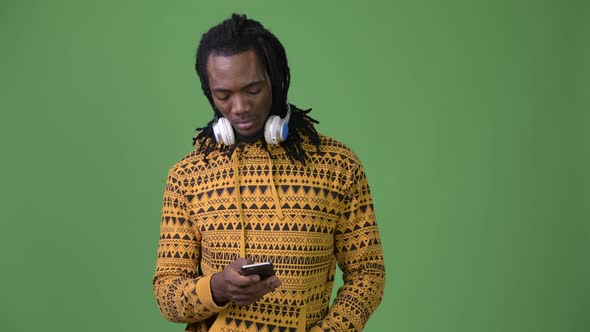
239,34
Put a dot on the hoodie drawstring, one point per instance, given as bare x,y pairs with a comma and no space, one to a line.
273,188
275,197
239,195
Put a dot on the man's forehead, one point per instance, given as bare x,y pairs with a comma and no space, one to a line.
241,69
249,54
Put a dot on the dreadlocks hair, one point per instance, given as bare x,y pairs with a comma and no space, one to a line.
239,34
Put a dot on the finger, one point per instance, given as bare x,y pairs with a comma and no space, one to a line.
239,262
246,281
236,278
273,282
243,297
244,302
248,295
253,278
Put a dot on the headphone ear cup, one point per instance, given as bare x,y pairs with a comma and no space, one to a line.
224,132
283,129
217,132
269,129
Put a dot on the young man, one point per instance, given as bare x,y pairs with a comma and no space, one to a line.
263,186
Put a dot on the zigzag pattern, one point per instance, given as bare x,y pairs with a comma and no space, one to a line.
328,218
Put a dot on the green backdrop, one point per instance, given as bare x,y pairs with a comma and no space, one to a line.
471,118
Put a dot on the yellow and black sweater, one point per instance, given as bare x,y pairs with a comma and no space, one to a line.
258,204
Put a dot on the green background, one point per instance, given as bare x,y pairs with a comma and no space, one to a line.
471,118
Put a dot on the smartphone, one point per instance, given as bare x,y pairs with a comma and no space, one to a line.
264,270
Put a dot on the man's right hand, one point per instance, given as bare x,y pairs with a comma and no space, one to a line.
231,285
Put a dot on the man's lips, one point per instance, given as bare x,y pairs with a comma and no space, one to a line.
245,124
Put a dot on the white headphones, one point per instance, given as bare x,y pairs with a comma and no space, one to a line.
276,129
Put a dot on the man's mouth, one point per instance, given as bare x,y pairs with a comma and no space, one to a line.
245,125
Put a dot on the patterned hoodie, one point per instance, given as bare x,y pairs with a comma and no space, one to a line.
258,204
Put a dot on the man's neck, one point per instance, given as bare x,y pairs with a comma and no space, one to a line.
249,138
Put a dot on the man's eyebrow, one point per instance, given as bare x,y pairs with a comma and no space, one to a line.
245,87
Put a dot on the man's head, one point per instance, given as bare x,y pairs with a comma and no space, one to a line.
242,60
236,42
241,91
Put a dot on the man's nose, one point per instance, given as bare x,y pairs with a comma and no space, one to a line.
240,105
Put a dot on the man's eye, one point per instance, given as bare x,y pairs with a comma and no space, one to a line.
254,91
222,97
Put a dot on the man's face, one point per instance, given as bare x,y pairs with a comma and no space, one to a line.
241,90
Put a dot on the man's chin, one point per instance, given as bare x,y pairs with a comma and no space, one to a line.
249,136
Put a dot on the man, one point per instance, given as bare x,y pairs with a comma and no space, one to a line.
263,186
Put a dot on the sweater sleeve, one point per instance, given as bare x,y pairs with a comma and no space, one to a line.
360,257
182,294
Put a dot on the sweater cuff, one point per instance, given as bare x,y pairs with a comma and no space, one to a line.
316,329
205,295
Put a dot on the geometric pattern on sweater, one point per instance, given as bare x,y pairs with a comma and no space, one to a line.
303,218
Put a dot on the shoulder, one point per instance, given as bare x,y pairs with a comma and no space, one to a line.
332,151
195,161
333,145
